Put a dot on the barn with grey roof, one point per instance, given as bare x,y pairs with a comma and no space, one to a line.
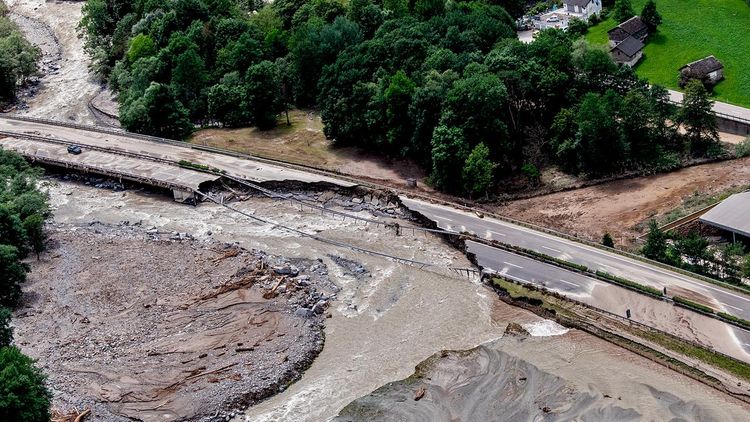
732,215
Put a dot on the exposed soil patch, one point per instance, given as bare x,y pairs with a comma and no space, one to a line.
555,378
304,143
157,326
620,207
466,385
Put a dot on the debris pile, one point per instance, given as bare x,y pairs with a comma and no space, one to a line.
139,325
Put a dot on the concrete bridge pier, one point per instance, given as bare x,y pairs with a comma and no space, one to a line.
183,196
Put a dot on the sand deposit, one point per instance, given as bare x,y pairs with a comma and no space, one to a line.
158,327
571,380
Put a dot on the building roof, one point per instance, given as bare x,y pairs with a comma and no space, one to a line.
704,66
630,46
617,34
579,3
731,214
634,25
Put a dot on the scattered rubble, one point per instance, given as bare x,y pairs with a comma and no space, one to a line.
157,326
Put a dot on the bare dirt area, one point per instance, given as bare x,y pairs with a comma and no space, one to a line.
160,327
620,207
304,143
572,380
65,87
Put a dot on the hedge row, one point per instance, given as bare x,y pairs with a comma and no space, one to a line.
679,300
558,261
736,320
632,284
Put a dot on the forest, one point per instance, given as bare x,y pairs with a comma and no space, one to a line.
443,83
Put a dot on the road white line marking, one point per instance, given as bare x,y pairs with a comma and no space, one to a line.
733,307
512,265
427,208
748,345
567,282
552,249
499,234
604,265
442,218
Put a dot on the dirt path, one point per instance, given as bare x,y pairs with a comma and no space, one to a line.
620,207
66,85
304,143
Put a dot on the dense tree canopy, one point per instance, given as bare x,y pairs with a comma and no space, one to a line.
23,394
22,211
421,79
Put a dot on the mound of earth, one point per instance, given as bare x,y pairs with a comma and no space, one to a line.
140,325
482,384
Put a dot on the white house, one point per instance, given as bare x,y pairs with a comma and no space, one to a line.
583,9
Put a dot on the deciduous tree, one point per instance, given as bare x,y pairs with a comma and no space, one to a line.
23,394
698,118
651,16
478,171
623,10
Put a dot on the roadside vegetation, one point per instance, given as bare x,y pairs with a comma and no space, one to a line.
729,263
574,314
23,394
692,30
18,58
444,84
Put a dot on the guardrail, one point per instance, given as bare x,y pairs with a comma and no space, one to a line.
621,318
355,181
719,114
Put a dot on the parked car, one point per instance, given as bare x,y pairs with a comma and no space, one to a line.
74,149
553,18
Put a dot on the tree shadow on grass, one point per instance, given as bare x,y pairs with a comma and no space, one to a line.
657,39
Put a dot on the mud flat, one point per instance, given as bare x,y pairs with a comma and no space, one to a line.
141,325
568,377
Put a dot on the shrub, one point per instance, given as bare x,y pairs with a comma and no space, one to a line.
632,284
743,148
679,300
6,331
608,241
739,321
23,395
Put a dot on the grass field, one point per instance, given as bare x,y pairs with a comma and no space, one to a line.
693,29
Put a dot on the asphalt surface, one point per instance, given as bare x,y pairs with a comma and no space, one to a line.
255,171
572,284
727,109
447,218
597,259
